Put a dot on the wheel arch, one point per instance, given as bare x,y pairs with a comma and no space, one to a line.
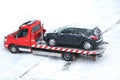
10,45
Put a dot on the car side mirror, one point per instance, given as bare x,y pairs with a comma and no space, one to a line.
60,34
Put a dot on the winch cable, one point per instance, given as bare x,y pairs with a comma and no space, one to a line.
118,22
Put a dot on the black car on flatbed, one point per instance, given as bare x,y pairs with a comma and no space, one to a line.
82,37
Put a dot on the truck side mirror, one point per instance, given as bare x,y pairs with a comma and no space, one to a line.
16,36
42,24
19,27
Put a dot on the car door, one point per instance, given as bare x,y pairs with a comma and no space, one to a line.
22,38
78,36
65,36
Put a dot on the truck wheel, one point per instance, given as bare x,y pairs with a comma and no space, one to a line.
51,42
68,56
13,49
87,45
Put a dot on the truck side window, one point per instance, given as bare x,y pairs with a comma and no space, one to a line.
68,30
22,33
36,28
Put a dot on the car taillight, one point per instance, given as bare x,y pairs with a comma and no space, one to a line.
94,37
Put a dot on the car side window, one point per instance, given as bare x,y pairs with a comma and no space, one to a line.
68,30
22,33
78,31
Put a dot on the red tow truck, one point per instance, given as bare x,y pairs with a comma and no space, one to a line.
29,38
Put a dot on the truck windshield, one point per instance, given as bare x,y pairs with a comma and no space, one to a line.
58,30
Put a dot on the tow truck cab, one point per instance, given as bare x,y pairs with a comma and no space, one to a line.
27,35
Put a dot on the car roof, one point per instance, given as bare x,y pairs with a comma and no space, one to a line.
81,25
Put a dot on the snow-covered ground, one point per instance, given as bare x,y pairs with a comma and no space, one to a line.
57,13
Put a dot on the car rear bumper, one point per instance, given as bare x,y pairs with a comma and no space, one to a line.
97,43
100,40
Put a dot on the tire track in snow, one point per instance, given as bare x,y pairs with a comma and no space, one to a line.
67,66
28,70
118,22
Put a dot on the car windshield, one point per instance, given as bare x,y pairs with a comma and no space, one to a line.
60,29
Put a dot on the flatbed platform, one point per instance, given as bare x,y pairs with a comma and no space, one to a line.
58,51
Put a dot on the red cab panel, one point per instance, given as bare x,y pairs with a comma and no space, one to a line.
27,34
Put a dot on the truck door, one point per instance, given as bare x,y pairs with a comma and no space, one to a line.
23,38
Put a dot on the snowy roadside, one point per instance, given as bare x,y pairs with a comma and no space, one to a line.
12,66
56,13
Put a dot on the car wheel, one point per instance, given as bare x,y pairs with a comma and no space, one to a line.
87,45
67,56
13,49
51,42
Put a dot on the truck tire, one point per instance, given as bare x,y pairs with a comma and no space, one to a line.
51,42
13,49
87,45
68,56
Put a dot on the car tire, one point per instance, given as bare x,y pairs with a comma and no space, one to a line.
13,49
87,45
51,42
67,56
